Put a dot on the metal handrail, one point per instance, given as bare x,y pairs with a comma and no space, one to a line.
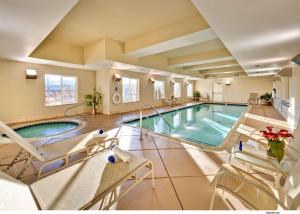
72,107
141,118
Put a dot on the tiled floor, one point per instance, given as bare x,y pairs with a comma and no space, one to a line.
182,172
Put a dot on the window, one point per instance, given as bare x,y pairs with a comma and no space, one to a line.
177,89
190,90
130,90
159,90
60,90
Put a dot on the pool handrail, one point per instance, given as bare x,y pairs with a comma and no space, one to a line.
141,118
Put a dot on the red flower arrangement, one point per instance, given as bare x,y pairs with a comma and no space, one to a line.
276,141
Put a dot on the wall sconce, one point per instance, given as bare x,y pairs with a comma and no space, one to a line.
187,84
227,82
172,82
31,74
151,80
117,77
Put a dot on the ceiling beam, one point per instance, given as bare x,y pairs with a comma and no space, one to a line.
214,65
176,35
236,69
223,75
201,58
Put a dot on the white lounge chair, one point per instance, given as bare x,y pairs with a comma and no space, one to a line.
92,183
254,99
62,151
255,156
253,192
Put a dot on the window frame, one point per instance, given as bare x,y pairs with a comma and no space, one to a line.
163,90
180,95
138,90
61,88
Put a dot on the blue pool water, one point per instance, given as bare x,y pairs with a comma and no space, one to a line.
46,129
204,124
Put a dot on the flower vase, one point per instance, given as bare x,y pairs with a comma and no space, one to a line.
276,150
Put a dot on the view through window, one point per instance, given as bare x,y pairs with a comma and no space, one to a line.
159,90
177,89
130,90
190,90
60,90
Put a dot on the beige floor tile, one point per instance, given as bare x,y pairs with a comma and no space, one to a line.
134,143
143,197
153,155
165,143
188,162
195,194
131,116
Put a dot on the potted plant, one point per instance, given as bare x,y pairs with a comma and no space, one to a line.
196,95
94,100
266,98
276,142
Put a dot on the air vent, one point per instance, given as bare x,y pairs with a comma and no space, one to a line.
236,75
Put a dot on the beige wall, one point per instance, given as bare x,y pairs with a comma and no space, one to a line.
288,90
239,89
106,86
23,100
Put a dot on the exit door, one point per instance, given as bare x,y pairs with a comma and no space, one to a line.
217,92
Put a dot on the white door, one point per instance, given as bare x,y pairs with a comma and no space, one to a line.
217,92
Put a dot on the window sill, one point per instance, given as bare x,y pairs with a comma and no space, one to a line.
131,102
61,105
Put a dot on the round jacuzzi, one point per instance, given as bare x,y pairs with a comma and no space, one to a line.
47,129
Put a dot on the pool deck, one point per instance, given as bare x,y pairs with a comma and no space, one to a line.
182,172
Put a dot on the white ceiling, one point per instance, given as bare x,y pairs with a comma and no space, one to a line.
260,34
25,24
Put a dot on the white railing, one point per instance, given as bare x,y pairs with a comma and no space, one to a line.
141,118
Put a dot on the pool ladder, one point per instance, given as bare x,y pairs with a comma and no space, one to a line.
141,119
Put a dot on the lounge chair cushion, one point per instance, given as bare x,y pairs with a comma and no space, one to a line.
77,185
14,194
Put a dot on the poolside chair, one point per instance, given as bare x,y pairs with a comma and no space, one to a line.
253,192
254,99
93,183
85,145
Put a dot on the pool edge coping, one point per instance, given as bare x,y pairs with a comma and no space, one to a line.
204,147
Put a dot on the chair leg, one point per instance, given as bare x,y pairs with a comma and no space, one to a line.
152,176
213,197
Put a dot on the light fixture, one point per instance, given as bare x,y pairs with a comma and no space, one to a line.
117,77
227,82
31,74
172,82
151,80
187,84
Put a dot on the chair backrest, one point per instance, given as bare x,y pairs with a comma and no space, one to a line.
15,195
21,141
253,95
